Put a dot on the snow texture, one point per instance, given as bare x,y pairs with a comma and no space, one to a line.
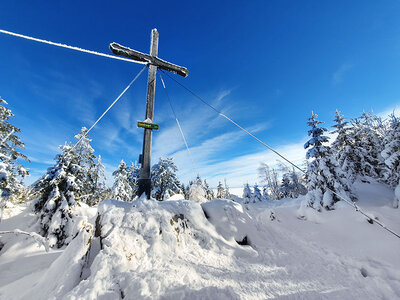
219,249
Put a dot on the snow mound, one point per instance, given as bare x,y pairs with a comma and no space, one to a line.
229,218
152,249
175,197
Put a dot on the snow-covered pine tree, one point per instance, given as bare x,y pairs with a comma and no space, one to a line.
56,195
343,147
286,186
121,189
367,145
107,193
197,192
341,129
185,191
98,185
198,180
11,170
5,191
247,194
92,170
83,148
377,132
226,188
291,185
265,194
220,191
324,176
164,181
391,155
134,176
257,194
209,192
298,184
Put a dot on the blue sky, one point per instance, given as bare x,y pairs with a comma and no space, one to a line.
266,64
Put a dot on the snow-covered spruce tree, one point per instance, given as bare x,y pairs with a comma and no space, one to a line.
164,181
220,191
56,195
11,170
365,158
92,175
121,189
341,128
185,190
98,180
196,191
198,180
378,130
257,194
292,186
324,176
209,192
391,155
265,194
343,148
226,188
134,176
107,193
247,194
286,186
5,191
83,148
298,184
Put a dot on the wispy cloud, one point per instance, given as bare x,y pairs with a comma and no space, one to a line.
222,94
41,161
339,74
197,121
212,155
74,98
243,168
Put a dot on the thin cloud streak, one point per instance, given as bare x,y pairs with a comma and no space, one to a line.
242,169
339,74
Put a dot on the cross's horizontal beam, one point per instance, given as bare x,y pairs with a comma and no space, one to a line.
139,56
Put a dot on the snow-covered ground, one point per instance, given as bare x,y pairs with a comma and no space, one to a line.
187,250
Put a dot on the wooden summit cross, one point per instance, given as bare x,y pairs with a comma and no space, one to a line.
154,62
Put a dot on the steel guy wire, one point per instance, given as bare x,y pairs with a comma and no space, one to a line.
69,47
179,125
112,104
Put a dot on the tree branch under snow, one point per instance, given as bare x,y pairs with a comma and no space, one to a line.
38,238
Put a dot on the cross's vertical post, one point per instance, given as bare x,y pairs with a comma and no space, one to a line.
154,63
145,179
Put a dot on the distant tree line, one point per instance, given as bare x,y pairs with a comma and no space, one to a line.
365,148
